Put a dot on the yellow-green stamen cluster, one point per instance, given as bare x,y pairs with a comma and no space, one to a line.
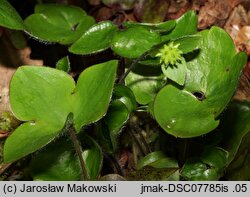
170,54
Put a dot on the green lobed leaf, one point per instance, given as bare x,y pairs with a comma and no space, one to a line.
131,42
211,79
44,97
58,23
9,17
96,39
63,64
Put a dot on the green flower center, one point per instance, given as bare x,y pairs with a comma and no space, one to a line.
170,54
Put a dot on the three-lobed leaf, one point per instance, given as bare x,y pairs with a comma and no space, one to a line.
211,79
44,97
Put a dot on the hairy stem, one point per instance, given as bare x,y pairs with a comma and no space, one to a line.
78,150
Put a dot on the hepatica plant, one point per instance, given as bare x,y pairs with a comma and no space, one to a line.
183,78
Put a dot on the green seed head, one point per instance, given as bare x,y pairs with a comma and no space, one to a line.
170,54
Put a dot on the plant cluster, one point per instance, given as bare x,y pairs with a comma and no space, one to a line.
183,78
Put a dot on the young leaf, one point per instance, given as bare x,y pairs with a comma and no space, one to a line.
191,111
44,97
63,64
58,23
131,42
9,17
177,72
95,39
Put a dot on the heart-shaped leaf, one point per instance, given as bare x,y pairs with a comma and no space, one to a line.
95,39
44,97
9,17
212,77
131,42
58,23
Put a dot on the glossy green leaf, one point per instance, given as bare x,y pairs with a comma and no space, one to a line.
44,97
158,27
208,167
176,73
56,162
157,160
211,79
95,39
9,17
185,25
63,64
58,23
131,42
